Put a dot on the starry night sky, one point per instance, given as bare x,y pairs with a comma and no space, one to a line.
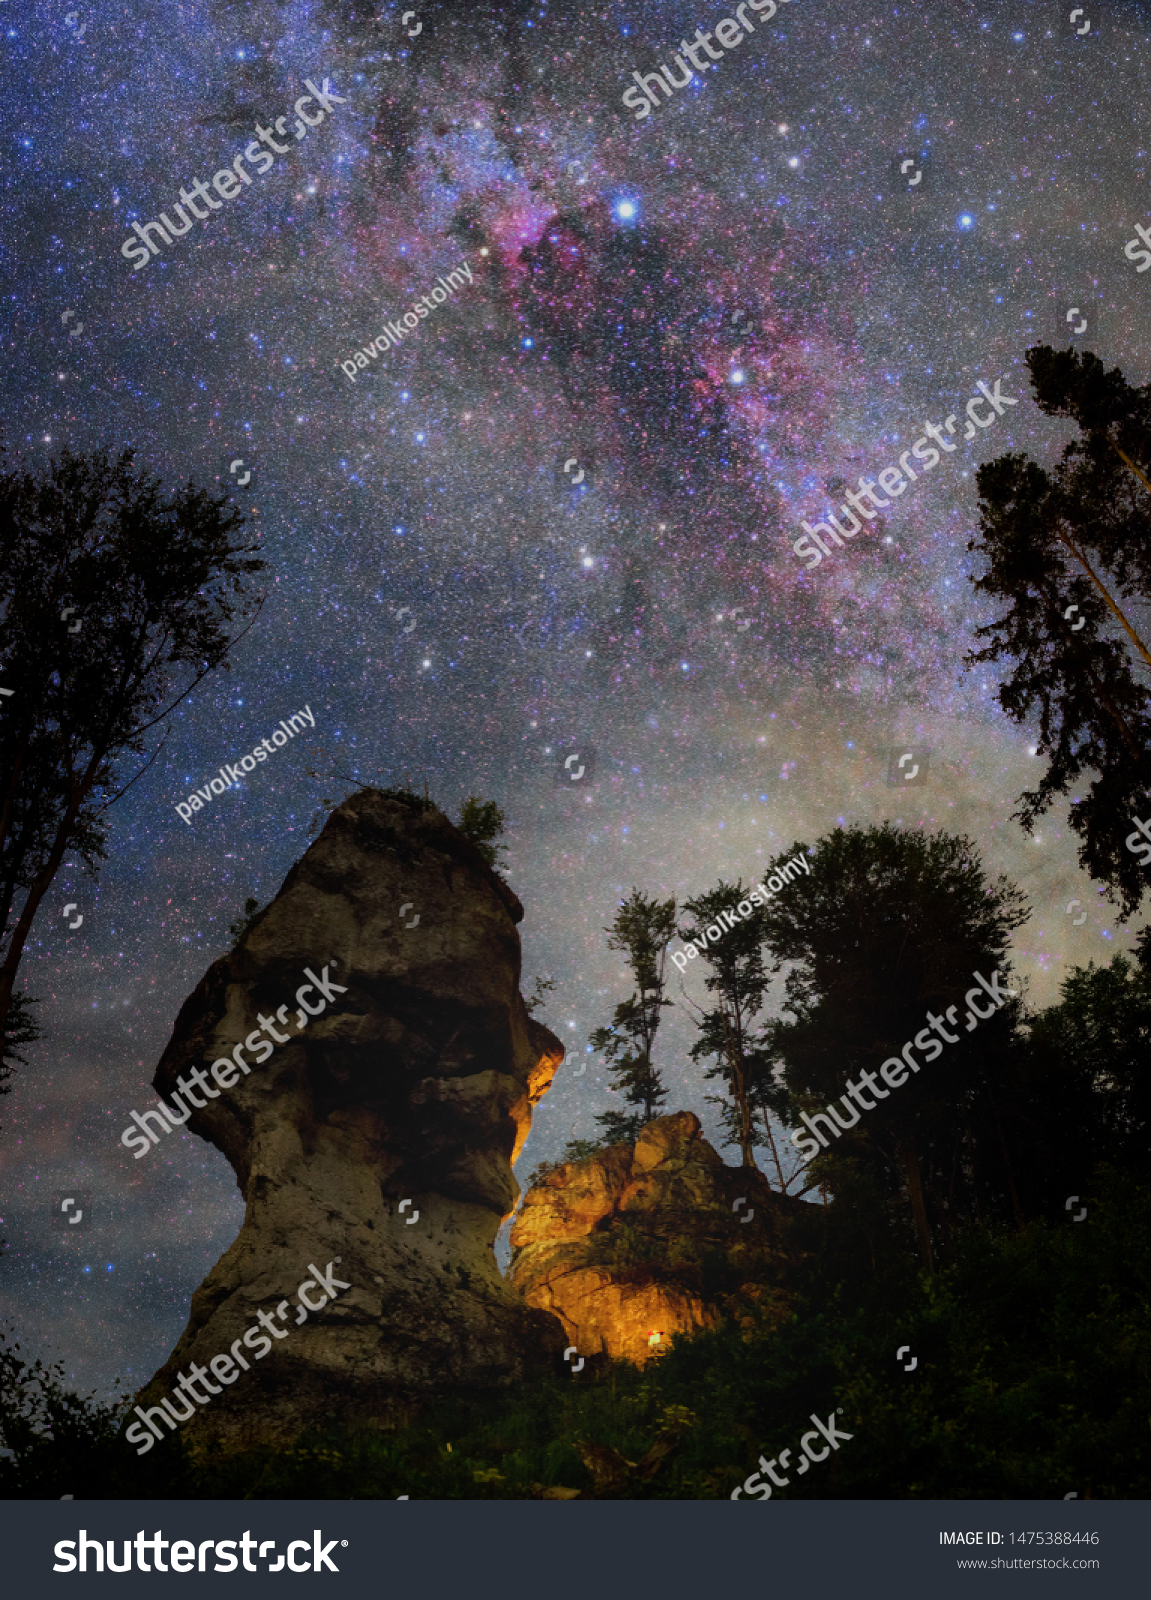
725,312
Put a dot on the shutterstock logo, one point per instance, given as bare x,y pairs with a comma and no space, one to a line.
757,1489
185,1556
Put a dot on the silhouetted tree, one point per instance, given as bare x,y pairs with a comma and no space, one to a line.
1104,472
482,822
22,1028
155,582
1069,550
642,930
891,925
727,1035
244,921
1093,1050
538,997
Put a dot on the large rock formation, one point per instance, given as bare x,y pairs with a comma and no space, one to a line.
415,1083
634,1245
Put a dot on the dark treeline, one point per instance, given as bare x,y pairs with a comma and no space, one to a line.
1006,1115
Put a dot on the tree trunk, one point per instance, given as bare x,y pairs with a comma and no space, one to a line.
1126,459
739,1093
774,1151
1069,544
918,1209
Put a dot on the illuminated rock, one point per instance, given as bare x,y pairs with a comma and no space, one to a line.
635,1245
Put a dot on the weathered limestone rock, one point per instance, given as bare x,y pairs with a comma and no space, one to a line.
415,1083
638,1242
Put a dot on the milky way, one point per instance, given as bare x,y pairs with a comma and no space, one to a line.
724,315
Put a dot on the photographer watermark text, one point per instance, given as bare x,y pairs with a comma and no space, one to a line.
230,776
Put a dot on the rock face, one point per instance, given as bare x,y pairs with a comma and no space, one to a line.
415,1083
643,1241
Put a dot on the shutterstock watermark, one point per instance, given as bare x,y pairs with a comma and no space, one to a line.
183,1555
227,1367
892,480
826,1430
230,776
229,180
1140,846
728,919
730,34
894,1071
227,1069
1133,252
